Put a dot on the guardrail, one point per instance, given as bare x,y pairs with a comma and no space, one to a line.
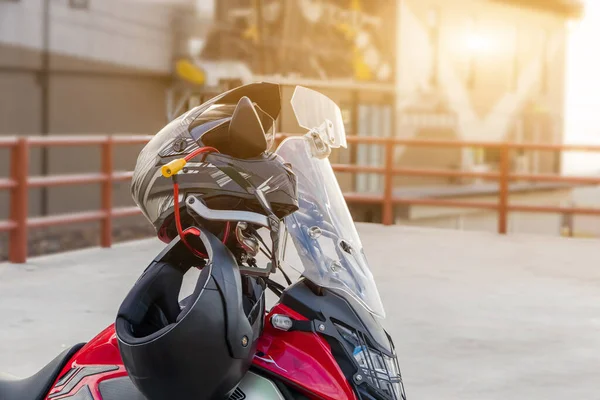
20,182
504,176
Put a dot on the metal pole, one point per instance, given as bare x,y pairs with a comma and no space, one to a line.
354,132
504,190
107,192
44,99
387,215
17,252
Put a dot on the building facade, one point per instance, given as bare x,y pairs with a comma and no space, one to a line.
103,66
462,69
484,70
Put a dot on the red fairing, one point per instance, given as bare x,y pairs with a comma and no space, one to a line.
100,351
302,358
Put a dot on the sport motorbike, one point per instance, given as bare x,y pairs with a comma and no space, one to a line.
322,339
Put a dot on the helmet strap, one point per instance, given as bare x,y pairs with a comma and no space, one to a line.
180,231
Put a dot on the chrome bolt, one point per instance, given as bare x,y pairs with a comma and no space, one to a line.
358,378
245,341
322,327
179,145
336,266
314,232
191,200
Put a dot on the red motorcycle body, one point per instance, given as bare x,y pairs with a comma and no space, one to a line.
302,360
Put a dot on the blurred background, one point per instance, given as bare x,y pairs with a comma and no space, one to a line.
518,71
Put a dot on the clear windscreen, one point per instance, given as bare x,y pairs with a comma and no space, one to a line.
314,110
322,229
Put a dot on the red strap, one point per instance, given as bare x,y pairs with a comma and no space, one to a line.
192,230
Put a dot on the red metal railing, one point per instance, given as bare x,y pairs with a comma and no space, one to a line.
504,176
20,182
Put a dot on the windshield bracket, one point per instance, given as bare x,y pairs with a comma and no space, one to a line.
318,147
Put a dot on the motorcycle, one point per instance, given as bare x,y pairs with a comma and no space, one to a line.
322,339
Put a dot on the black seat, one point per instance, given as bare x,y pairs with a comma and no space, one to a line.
36,387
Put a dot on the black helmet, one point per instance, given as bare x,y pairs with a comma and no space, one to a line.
239,125
200,350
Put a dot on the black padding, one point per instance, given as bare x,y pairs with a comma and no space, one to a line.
120,389
153,303
37,386
201,284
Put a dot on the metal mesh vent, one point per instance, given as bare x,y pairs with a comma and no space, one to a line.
376,369
381,371
237,395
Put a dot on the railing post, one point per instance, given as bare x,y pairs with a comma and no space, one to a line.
503,191
107,192
567,222
387,214
19,170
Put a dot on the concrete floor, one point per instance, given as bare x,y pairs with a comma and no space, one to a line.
474,316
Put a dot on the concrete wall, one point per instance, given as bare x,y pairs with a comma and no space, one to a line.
109,69
80,104
124,33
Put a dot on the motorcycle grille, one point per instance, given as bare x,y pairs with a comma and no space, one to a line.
237,395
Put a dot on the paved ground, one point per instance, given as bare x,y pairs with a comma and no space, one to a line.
474,316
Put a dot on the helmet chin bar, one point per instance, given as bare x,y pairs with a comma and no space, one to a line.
198,207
